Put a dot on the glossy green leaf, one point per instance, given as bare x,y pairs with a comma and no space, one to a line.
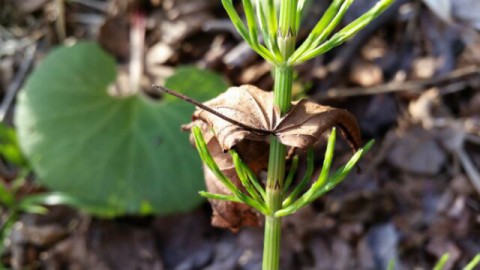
125,155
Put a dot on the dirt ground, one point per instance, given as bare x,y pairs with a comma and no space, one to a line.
412,78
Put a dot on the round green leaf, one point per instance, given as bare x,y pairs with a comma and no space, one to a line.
118,155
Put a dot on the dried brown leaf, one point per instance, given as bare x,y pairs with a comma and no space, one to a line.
254,108
245,104
307,121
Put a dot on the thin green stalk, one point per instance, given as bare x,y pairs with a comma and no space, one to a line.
221,197
473,263
298,188
276,174
442,262
245,32
272,19
288,17
251,22
391,265
283,83
327,160
291,174
268,36
276,167
243,176
236,20
300,9
272,242
254,181
274,189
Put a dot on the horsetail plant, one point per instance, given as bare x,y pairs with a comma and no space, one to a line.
271,30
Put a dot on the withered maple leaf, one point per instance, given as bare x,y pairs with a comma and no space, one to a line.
255,117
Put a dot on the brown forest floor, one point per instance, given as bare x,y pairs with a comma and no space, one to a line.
411,79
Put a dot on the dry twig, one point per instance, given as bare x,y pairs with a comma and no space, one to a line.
464,74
